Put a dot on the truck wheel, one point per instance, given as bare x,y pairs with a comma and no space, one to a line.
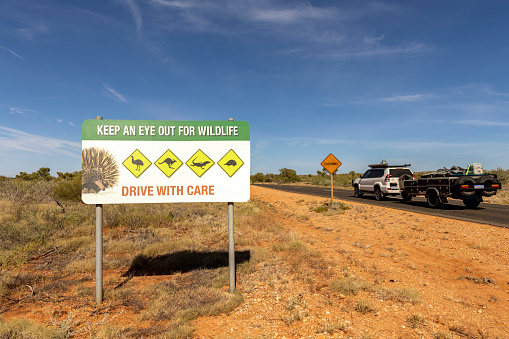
406,196
465,181
357,192
471,203
488,181
433,199
378,194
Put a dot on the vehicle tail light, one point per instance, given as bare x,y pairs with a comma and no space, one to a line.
495,186
464,186
387,177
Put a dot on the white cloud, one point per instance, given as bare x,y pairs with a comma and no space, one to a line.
482,123
175,3
376,50
34,28
373,40
113,94
60,121
72,124
307,141
290,15
12,140
12,52
133,8
404,98
24,112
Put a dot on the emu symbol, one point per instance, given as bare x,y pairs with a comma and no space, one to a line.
136,162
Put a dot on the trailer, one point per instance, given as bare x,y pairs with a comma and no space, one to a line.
469,185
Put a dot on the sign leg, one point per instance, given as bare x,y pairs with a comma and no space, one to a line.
331,190
99,253
231,247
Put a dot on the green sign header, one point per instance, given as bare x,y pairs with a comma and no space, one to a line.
165,130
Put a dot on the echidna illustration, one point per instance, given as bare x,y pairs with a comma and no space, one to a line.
231,163
99,170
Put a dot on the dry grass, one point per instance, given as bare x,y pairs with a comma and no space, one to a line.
149,239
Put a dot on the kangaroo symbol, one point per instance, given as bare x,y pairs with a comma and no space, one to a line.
168,161
200,164
136,162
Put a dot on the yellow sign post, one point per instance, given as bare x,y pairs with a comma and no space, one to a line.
331,164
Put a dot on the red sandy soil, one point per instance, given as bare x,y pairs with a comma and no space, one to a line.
459,269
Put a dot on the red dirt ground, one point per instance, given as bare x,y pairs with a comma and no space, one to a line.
459,269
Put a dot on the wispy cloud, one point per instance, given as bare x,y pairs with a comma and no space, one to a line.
12,140
404,98
12,52
373,40
23,111
374,51
35,27
202,15
110,92
60,121
290,15
307,141
133,8
479,123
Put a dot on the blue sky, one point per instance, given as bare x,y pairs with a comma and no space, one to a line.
420,82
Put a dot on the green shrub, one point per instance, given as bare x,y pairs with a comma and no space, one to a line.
68,189
288,175
42,173
258,177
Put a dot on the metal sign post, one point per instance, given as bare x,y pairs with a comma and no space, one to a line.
157,161
99,253
331,164
231,248
331,189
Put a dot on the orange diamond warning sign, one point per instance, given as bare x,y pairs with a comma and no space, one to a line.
331,163
200,163
230,163
137,163
168,163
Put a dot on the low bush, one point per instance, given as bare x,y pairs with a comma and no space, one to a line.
68,189
25,329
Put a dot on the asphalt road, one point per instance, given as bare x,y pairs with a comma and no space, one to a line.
491,214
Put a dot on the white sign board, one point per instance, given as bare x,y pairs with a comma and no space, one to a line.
155,161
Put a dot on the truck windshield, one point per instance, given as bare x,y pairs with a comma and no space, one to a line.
397,172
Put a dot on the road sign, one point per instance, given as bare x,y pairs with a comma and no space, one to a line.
168,163
331,163
194,161
231,163
137,163
200,163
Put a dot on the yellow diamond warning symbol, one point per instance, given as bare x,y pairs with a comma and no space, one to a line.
168,163
230,163
136,163
199,163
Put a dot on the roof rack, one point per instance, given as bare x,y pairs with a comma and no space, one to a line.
384,164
